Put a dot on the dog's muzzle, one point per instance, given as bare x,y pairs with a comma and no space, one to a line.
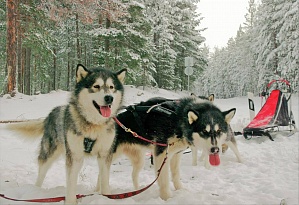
214,150
214,158
108,99
104,110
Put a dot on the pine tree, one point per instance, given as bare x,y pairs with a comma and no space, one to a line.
288,41
266,47
150,38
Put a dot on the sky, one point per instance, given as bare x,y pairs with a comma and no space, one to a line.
222,19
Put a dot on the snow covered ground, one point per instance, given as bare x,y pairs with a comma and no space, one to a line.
269,174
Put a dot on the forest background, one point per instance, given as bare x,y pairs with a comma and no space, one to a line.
46,39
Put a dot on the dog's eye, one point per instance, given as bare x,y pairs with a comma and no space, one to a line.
205,132
96,86
219,131
111,87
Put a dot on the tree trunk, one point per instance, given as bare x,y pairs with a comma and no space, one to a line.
19,51
85,54
73,73
157,62
78,40
22,76
27,72
275,60
107,44
54,69
68,68
34,85
11,45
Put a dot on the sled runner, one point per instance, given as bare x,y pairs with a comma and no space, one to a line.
276,114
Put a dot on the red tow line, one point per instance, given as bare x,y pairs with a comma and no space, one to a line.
44,200
110,196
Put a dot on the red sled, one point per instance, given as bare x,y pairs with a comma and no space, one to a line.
275,115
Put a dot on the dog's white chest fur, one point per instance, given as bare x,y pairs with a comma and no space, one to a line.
103,139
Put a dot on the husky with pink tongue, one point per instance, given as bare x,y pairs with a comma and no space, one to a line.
176,124
83,127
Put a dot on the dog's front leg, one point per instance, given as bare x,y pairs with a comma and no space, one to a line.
202,156
104,174
194,155
163,179
205,155
73,167
234,147
175,170
136,157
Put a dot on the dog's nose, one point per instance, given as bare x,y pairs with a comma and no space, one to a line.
214,150
108,99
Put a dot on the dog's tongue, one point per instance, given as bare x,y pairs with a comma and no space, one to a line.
105,111
214,159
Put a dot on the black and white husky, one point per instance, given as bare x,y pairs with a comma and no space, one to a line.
180,124
83,127
229,142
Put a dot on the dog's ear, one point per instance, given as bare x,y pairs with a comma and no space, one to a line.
121,75
81,72
211,98
228,115
192,117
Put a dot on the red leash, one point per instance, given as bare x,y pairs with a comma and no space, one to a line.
136,135
133,193
45,200
110,196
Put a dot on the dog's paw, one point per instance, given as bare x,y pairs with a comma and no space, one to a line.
103,190
194,163
97,189
178,185
240,160
106,190
165,194
70,201
224,148
202,157
208,165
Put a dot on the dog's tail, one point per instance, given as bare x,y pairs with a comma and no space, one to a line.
30,128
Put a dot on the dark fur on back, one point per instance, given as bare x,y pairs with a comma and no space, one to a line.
129,120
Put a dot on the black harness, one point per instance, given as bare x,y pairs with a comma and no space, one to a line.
88,144
135,109
157,108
